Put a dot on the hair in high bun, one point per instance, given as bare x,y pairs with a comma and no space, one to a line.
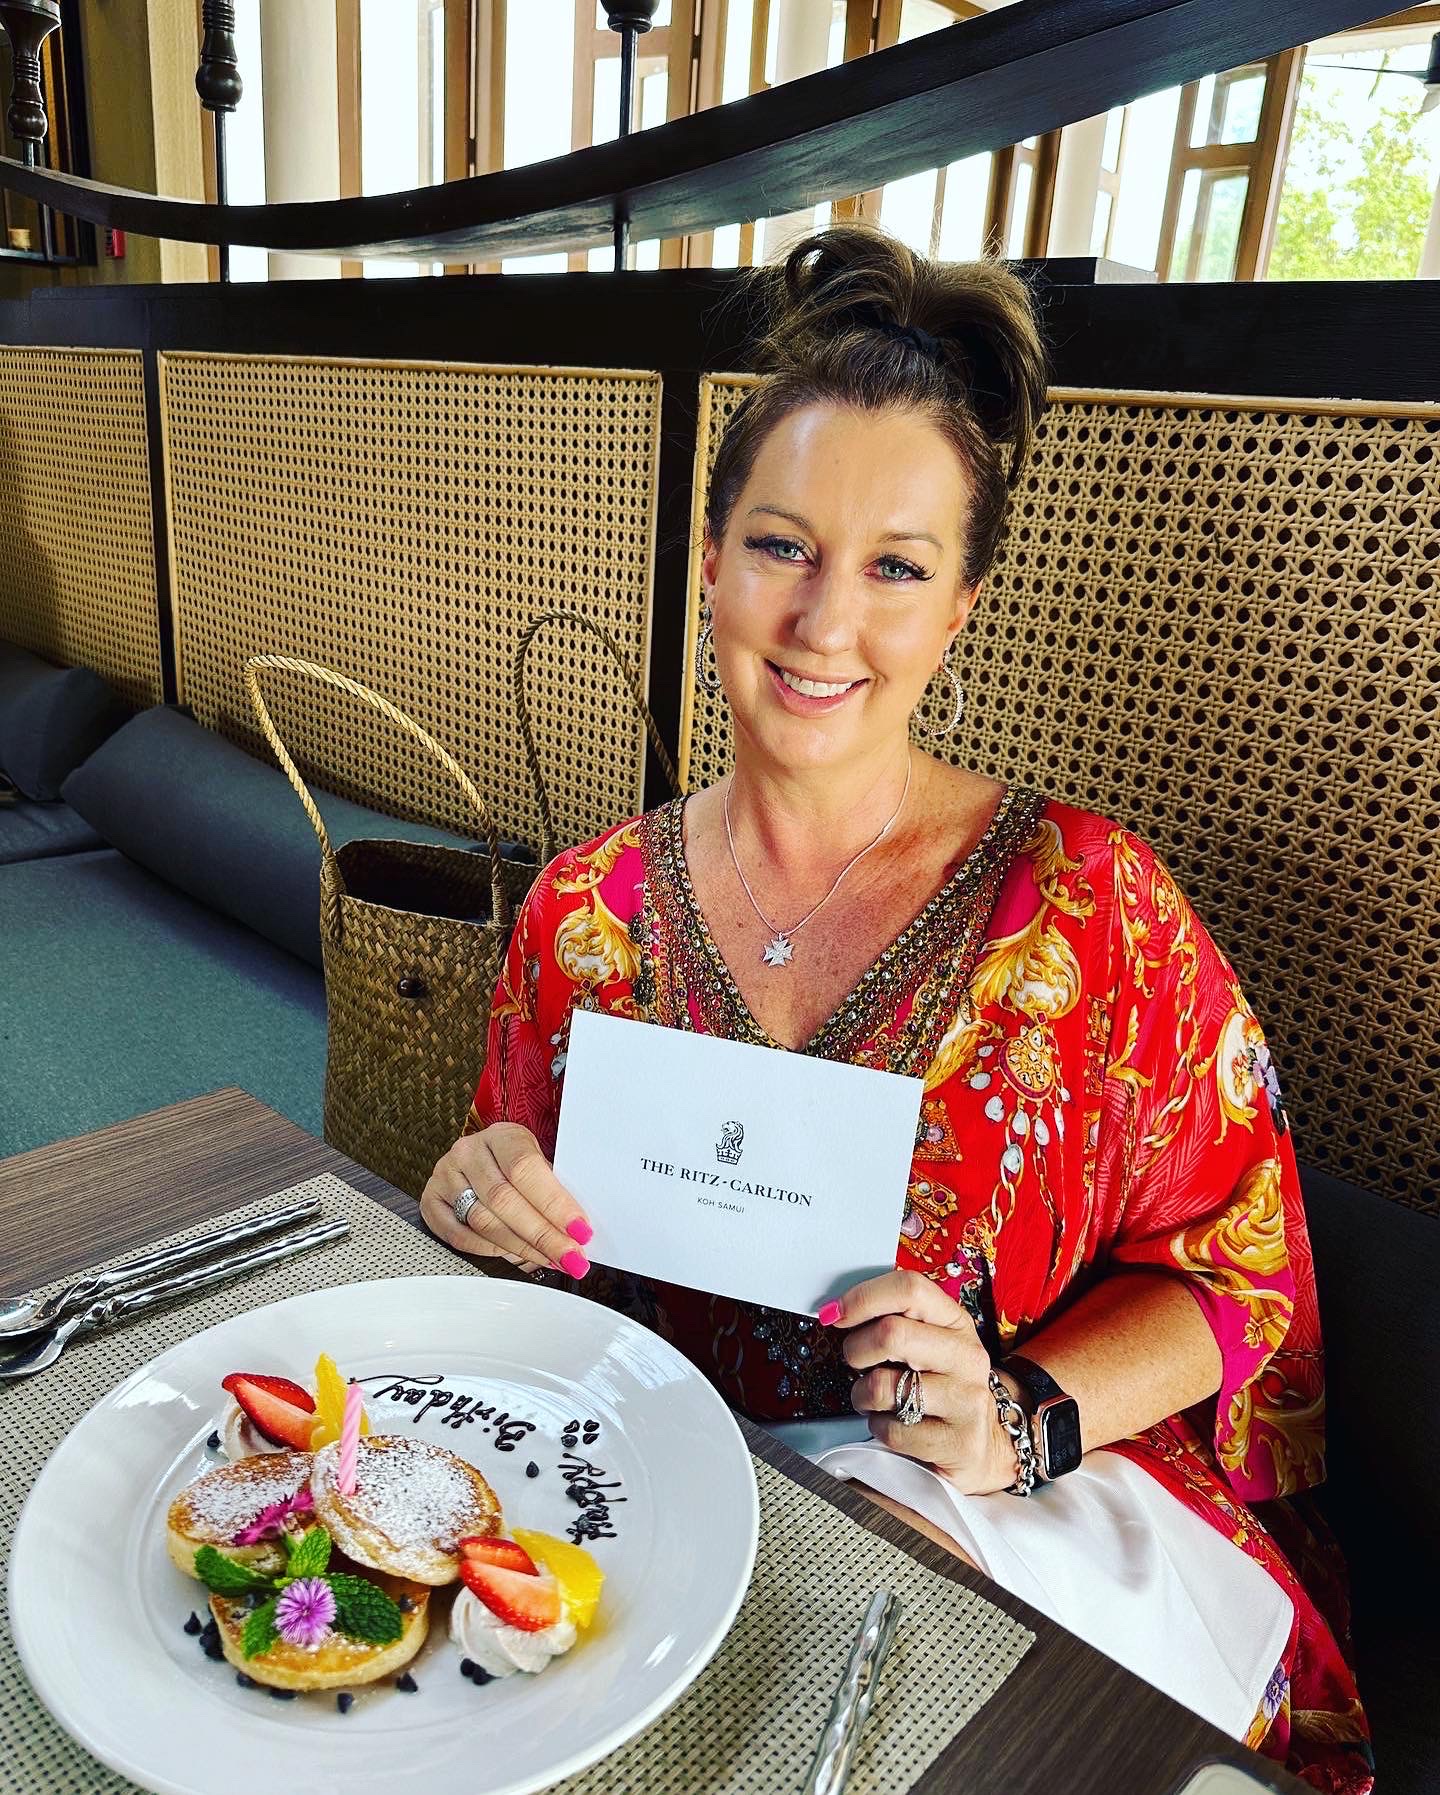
854,317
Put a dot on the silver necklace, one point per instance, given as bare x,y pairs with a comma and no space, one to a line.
780,949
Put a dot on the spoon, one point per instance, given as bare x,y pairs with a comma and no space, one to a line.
46,1350
21,1318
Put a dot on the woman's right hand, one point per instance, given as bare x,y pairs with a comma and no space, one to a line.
522,1212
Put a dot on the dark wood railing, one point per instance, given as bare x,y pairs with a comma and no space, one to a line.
977,85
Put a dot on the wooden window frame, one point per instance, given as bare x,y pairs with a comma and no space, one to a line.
1108,181
692,47
457,101
673,46
1262,160
872,25
1042,158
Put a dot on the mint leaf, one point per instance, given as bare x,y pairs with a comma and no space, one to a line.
308,1555
364,1611
226,1577
260,1630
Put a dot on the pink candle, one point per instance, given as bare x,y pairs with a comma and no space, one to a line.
349,1440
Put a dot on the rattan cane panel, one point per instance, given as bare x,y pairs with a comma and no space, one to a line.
77,543
1217,620
403,523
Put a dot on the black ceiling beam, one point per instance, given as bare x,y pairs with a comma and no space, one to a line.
973,86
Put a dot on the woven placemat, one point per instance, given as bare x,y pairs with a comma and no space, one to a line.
748,1724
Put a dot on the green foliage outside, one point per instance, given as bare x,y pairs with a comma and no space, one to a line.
1368,224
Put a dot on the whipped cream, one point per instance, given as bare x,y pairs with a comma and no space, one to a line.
240,1436
499,1648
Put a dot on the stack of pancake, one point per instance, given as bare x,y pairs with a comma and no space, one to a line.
399,1528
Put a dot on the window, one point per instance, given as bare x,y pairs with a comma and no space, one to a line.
1107,181
402,105
245,140
1230,133
768,42
1137,216
1360,179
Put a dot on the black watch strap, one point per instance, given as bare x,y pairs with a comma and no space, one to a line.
1054,1417
1034,1379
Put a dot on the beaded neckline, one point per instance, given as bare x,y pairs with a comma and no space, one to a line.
952,920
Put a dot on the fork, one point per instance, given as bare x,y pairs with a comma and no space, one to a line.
21,1318
45,1352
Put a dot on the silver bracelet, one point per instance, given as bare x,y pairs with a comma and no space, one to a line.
1013,1419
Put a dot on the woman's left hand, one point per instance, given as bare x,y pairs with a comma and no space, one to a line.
903,1319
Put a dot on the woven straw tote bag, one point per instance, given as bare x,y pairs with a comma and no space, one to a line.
412,937
577,620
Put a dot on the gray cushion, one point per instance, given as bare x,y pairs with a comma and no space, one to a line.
222,826
50,719
119,994
34,831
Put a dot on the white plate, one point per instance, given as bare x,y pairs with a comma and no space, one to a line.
97,1609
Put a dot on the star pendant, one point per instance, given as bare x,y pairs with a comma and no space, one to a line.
779,952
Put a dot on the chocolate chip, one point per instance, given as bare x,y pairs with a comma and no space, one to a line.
481,1676
407,1683
468,1667
405,1605
532,1469
192,1626
213,1443
244,1681
284,1695
213,1649
345,1701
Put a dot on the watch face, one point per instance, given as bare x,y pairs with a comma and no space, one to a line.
1060,1435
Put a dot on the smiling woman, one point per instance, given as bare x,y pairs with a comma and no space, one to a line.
1102,1173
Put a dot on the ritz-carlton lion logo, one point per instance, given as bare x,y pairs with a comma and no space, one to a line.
728,1148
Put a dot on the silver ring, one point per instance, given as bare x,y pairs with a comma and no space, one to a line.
909,1398
464,1203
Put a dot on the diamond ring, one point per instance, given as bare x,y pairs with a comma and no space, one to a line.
909,1398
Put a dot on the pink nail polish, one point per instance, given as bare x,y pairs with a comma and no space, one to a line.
580,1231
829,1315
575,1263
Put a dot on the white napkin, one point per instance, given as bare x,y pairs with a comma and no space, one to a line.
1111,1555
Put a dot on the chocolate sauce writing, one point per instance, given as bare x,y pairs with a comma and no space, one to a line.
591,1497
452,1408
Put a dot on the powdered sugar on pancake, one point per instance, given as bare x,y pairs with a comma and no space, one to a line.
411,1501
224,1501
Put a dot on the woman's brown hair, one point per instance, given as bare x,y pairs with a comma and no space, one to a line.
854,317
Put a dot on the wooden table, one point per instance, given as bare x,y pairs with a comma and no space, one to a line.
1068,1721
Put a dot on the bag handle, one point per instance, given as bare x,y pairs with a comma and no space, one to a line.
522,706
500,902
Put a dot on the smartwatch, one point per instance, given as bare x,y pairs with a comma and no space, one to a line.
1055,1417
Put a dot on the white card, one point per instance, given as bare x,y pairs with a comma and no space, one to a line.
771,1177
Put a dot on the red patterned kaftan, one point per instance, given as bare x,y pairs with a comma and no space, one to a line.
1098,1095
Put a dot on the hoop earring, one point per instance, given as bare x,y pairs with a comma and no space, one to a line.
958,707
707,677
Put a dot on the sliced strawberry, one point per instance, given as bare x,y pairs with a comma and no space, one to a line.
520,1600
295,1394
508,1553
281,1410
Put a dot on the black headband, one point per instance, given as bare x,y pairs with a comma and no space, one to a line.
873,317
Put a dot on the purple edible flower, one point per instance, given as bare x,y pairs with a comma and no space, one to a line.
304,1611
266,1524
